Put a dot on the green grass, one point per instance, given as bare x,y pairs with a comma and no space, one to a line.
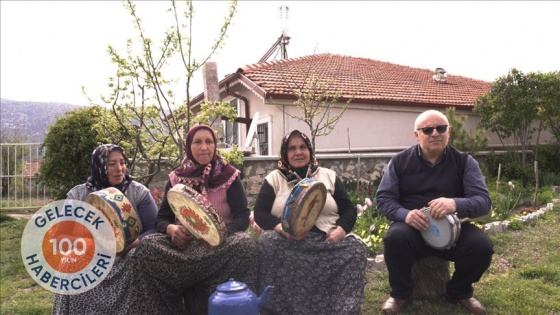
19,294
524,277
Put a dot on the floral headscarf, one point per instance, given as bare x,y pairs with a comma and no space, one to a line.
292,174
98,179
201,177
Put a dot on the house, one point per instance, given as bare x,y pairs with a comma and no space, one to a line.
385,99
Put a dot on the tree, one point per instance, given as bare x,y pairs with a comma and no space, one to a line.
141,98
548,102
510,109
316,100
69,143
464,140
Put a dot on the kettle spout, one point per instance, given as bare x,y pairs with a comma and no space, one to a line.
262,299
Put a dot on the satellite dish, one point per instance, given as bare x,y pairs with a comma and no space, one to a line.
252,130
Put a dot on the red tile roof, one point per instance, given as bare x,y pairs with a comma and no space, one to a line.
372,81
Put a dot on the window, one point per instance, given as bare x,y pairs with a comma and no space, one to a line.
262,137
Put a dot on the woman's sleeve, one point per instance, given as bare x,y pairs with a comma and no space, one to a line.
346,209
237,201
147,210
263,207
165,215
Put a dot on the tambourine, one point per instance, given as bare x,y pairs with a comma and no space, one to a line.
303,207
442,233
122,216
197,214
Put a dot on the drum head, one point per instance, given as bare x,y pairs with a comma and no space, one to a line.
442,233
196,213
303,207
121,215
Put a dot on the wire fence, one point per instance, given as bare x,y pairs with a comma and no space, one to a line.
19,184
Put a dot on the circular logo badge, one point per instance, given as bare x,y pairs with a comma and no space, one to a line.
68,247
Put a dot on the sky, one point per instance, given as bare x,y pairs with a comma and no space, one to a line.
51,49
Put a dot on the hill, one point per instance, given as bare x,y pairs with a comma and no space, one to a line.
29,121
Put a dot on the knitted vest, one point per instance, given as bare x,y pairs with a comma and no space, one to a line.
420,182
218,198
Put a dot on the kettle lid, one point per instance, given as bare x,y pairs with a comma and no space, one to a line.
232,286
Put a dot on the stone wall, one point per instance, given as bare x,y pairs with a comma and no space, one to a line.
350,167
365,168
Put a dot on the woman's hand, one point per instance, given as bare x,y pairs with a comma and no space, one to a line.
278,228
180,236
335,235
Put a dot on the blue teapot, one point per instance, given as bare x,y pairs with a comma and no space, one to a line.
234,298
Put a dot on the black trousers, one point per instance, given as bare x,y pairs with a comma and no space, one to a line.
403,245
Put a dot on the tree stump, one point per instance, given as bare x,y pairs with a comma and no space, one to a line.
430,276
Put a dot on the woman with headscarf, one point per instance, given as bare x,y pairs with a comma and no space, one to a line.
176,264
108,169
322,272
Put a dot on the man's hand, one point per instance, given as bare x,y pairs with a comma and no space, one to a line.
417,219
441,207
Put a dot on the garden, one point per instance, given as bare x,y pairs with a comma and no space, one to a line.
524,277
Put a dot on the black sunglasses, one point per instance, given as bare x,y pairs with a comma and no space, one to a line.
428,130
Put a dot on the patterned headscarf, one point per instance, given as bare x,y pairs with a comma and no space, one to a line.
201,177
287,170
98,179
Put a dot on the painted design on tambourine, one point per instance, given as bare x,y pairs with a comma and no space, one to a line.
194,220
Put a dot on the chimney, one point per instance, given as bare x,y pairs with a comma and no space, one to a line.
439,75
210,79
212,94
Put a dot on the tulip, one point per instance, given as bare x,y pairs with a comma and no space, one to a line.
368,202
252,217
360,209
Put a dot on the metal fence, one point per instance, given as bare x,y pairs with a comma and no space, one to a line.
20,187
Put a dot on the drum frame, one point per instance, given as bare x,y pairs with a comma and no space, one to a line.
454,229
294,206
119,220
212,218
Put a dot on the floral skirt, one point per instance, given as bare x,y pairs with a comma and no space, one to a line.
311,277
166,273
105,298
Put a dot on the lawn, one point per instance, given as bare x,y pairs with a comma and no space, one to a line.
524,277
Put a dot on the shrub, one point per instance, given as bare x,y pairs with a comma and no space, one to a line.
504,203
547,156
545,195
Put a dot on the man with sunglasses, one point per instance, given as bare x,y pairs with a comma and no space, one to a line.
435,175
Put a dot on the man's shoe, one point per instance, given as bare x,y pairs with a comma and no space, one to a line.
472,304
394,305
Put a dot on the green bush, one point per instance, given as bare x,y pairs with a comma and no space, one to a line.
547,156
545,195
233,156
549,179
